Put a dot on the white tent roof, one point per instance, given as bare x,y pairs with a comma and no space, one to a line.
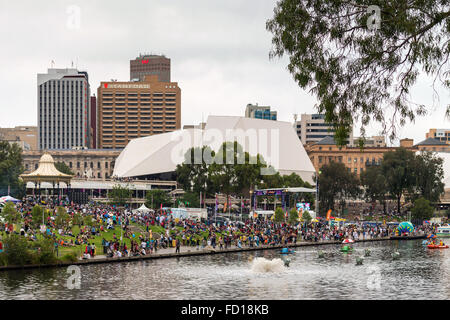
143,209
276,141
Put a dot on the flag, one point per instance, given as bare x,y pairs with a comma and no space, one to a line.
329,214
217,203
300,213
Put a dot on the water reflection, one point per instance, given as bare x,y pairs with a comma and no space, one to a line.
419,273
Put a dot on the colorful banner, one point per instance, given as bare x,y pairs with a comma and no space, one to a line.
269,192
329,214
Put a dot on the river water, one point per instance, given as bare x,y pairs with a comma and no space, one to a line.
419,273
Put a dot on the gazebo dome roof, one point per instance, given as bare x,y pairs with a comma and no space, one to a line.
46,158
46,172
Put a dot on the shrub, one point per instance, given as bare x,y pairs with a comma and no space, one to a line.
46,253
293,216
279,215
70,257
306,217
17,251
422,209
3,259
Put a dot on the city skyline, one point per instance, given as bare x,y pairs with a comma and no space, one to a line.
219,55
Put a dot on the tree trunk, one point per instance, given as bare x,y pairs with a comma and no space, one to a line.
398,203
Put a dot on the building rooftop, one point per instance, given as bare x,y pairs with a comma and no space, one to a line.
328,140
431,142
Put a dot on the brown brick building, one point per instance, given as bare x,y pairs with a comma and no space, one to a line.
25,136
129,110
151,64
355,159
92,164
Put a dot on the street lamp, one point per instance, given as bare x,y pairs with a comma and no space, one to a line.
317,193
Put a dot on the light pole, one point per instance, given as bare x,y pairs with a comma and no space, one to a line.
317,193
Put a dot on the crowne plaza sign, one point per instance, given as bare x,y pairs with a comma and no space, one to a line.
126,86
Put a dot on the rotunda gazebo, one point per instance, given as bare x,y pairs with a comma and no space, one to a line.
47,172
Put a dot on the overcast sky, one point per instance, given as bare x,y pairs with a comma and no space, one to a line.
219,51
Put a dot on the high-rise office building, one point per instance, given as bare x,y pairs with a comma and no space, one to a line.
63,109
312,128
94,122
260,112
129,110
150,64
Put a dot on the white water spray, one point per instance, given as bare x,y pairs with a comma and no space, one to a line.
262,265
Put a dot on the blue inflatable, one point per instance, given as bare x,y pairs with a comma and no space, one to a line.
405,227
287,251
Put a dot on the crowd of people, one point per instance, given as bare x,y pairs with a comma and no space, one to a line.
175,233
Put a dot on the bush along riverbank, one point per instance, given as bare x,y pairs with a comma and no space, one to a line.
17,251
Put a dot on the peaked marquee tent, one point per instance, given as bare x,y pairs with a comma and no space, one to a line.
276,141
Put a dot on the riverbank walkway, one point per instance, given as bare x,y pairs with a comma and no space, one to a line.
186,251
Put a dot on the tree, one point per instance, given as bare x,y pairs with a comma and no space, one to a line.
191,199
157,197
422,209
222,171
293,216
120,195
37,215
397,166
274,180
375,186
62,167
9,213
10,168
306,217
356,68
293,180
429,174
193,174
279,215
336,182
62,217
77,219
